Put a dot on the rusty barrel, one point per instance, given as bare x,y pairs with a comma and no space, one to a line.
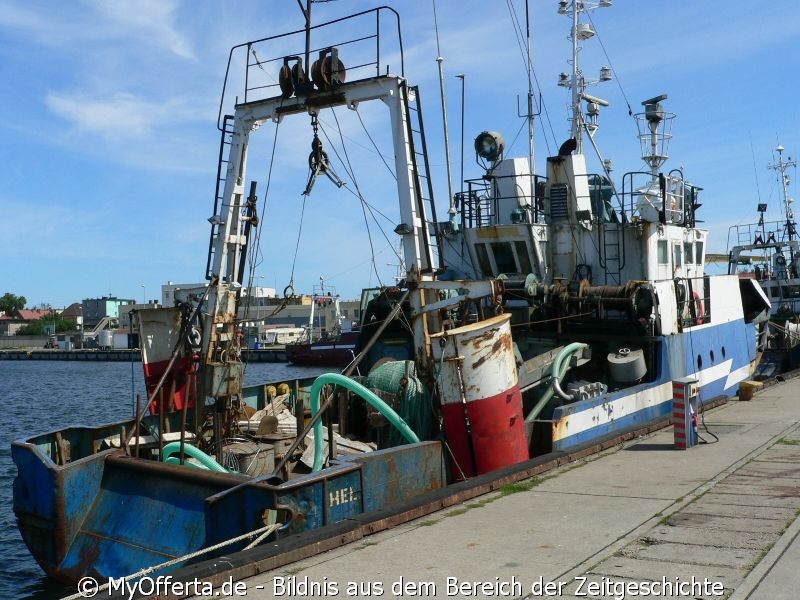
479,391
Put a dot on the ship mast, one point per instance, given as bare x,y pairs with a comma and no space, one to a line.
577,82
782,166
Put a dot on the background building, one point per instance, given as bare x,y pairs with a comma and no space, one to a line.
96,310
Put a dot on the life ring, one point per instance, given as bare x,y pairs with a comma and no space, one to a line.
288,291
699,309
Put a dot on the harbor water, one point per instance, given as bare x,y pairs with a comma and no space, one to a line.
42,396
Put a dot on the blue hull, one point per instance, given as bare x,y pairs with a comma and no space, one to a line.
109,515
718,356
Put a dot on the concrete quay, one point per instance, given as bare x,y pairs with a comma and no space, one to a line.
607,526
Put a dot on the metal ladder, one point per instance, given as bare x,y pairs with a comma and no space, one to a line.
222,170
420,168
611,252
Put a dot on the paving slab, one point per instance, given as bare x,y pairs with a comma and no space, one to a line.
706,506
689,518
782,452
704,536
750,499
640,569
782,581
749,485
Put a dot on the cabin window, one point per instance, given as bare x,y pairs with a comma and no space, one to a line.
504,257
688,255
483,260
523,257
663,259
698,252
676,249
774,291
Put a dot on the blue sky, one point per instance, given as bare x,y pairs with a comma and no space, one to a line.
110,143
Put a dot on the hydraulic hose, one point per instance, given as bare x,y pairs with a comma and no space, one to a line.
558,369
204,459
357,388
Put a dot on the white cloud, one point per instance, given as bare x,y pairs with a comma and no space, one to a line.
154,20
65,25
18,17
121,114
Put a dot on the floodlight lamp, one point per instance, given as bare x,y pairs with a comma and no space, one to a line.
489,145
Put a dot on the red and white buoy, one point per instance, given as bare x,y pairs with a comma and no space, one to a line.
481,401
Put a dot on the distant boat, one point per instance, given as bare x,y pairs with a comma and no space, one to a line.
336,348
329,351
769,252
279,336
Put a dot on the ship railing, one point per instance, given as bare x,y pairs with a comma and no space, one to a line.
368,44
664,198
769,233
484,202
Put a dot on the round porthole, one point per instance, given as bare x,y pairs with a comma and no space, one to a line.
723,353
712,356
699,362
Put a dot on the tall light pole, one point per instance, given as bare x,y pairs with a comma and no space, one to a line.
461,77
144,294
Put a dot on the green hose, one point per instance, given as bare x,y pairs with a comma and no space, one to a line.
204,459
367,395
558,369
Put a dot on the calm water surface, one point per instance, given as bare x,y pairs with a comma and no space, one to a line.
41,396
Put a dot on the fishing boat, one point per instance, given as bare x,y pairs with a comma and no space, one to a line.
335,346
545,315
769,253
280,336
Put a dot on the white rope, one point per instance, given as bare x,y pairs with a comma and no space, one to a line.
262,533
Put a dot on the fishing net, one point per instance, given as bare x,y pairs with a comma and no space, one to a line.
397,385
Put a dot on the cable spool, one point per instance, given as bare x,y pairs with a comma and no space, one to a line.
283,389
285,81
328,72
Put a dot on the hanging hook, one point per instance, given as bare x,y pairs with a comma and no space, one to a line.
318,161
